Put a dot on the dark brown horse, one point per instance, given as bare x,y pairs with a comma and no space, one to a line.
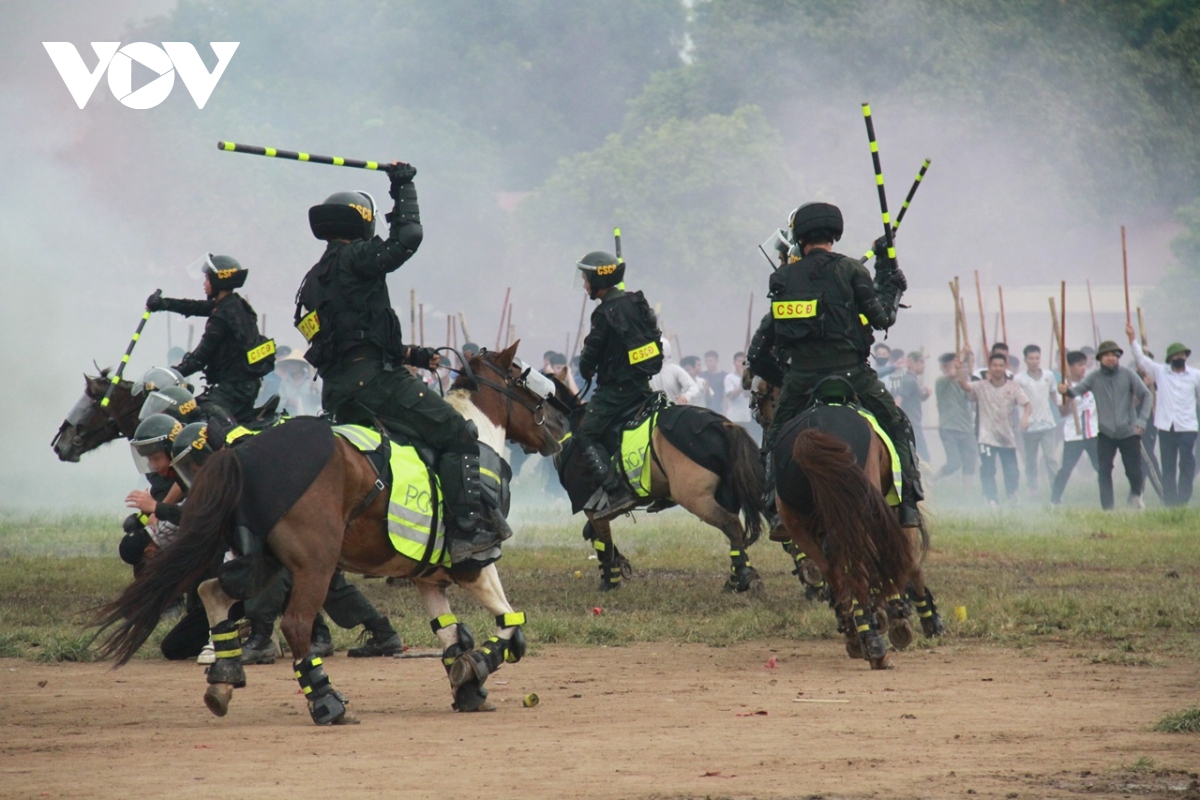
89,424
329,527
734,483
850,534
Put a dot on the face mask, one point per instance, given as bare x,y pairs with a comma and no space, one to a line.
881,360
1178,363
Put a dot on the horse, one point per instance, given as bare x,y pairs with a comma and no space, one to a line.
732,485
91,423
848,532
338,521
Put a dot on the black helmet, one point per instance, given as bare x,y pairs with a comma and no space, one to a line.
816,222
345,215
153,435
158,378
174,401
602,269
190,450
223,272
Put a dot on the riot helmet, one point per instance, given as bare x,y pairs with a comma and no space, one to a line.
816,222
190,451
224,273
344,215
154,434
158,378
602,270
174,401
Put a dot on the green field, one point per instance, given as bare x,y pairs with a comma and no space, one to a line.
1119,588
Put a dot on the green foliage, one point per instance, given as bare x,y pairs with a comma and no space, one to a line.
1181,722
1172,303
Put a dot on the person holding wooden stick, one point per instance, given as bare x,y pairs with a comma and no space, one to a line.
956,421
997,396
1078,427
1039,386
1174,416
1122,411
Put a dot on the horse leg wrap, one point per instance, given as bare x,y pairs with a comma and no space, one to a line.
228,646
517,643
931,620
740,571
470,669
465,640
808,572
325,704
898,607
873,645
610,566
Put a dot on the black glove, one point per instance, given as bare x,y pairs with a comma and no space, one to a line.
155,301
401,173
898,280
133,523
880,248
420,356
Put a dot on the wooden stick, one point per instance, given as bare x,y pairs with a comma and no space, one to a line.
1003,319
957,321
962,310
264,324
996,329
412,312
1125,265
508,327
1142,328
454,328
749,323
462,320
503,312
982,318
448,326
422,313
1092,308
579,330
1062,336
191,330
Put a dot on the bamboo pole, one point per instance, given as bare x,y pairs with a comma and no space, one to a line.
957,321
749,323
503,312
1062,336
1003,319
412,312
1092,308
982,318
462,320
1054,333
1125,267
1142,328
422,313
448,326
579,330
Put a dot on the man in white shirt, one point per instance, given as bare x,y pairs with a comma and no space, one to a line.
674,381
1078,427
1042,390
1174,416
737,399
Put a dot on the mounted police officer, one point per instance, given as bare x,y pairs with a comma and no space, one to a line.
232,354
823,309
344,312
623,351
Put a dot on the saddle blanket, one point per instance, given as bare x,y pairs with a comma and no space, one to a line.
415,520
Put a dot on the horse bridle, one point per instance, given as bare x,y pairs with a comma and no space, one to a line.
507,389
114,421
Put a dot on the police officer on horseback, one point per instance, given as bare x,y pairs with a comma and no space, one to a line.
232,354
823,309
345,313
623,350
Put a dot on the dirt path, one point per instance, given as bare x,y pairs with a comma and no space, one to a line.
644,721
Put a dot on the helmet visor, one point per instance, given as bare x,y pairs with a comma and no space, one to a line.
197,268
187,464
535,381
141,455
81,411
778,243
157,403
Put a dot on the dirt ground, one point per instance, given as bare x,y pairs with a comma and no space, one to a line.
661,720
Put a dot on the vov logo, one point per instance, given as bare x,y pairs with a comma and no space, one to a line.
165,61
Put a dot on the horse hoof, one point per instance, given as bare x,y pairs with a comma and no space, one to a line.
900,633
854,647
349,718
605,586
882,663
472,697
470,667
626,569
933,626
217,698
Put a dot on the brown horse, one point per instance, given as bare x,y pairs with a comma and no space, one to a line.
848,514
89,424
338,521
714,495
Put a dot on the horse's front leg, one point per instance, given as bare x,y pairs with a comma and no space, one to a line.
456,640
470,670
806,554
226,673
919,593
873,647
613,565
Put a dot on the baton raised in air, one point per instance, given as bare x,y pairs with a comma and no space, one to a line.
883,207
904,208
116,378
271,152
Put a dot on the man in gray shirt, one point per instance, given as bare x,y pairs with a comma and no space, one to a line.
1122,412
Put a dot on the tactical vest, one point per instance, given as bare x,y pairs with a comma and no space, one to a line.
637,352
812,303
333,322
245,354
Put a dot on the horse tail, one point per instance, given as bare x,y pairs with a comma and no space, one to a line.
862,537
746,478
207,517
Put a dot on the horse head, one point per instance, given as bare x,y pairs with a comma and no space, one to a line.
520,399
90,423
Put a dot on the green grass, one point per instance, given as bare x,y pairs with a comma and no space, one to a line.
1182,722
1091,582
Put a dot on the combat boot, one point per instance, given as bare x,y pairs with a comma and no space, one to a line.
259,648
383,642
468,532
614,497
322,641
